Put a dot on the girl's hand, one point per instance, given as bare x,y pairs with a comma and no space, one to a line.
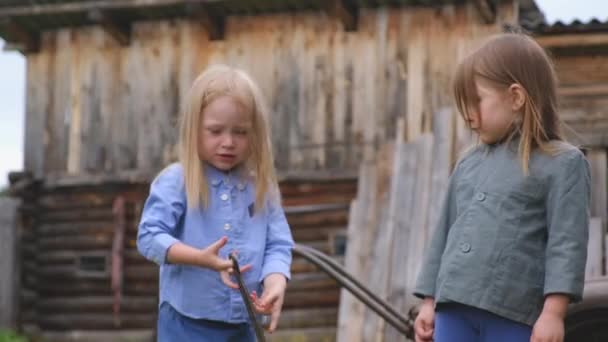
209,258
271,301
425,321
549,326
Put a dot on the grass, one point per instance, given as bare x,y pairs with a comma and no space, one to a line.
9,336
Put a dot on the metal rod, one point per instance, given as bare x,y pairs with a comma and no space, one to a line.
375,303
245,294
332,263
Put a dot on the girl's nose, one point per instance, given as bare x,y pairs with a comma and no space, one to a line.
228,140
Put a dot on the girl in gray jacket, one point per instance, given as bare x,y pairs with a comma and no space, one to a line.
509,252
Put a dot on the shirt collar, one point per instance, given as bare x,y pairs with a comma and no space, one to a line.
232,177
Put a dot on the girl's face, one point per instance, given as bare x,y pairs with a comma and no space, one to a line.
494,115
224,133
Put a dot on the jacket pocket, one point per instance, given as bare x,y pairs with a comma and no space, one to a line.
522,280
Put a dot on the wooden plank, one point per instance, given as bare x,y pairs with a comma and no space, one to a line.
95,304
132,335
401,212
581,70
416,61
573,40
58,119
443,134
38,90
9,267
154,49
584,90
595,249
419,233
118,70
598,165
350,312
86,321
377,278
306,318
599,190
77,99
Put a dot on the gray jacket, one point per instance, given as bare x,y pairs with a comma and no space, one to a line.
504,240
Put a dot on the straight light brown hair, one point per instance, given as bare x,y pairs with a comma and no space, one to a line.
215,82
514,58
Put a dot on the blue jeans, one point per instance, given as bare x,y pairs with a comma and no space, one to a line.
461,323
175,327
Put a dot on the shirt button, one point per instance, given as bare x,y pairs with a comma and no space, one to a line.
227,226
224,197
480,196
465,247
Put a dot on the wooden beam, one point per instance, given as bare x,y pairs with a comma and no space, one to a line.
346,11
121,32
85,6
486,10
213,23
584,90
22,40
573,40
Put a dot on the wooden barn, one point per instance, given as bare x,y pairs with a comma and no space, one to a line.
105,80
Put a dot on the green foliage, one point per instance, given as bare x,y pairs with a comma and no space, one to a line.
9,336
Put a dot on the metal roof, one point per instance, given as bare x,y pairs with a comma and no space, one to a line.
576,26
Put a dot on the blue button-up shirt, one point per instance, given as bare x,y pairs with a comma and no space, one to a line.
262,239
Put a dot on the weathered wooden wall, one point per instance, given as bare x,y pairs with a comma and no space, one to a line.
61,297
583,96
95,106
9,267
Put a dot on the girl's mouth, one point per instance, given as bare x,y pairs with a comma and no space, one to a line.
226,157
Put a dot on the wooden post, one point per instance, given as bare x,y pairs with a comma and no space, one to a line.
599,202
595,251
8,263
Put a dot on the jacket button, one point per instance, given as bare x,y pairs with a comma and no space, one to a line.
465,247
227,226
224,197
480,196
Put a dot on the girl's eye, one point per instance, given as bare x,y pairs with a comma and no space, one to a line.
214,131
240,131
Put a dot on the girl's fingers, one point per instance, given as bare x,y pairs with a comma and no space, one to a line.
227,281
217,245
268,298
274,320
246,268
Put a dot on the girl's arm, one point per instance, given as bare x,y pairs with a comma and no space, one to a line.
276,266
180,253
164,208
567,227
279,243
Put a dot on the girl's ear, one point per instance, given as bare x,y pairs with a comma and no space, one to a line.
518,96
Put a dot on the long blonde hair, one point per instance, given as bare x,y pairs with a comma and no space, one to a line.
215,82
514,58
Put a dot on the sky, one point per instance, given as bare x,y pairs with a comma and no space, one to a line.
12,80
